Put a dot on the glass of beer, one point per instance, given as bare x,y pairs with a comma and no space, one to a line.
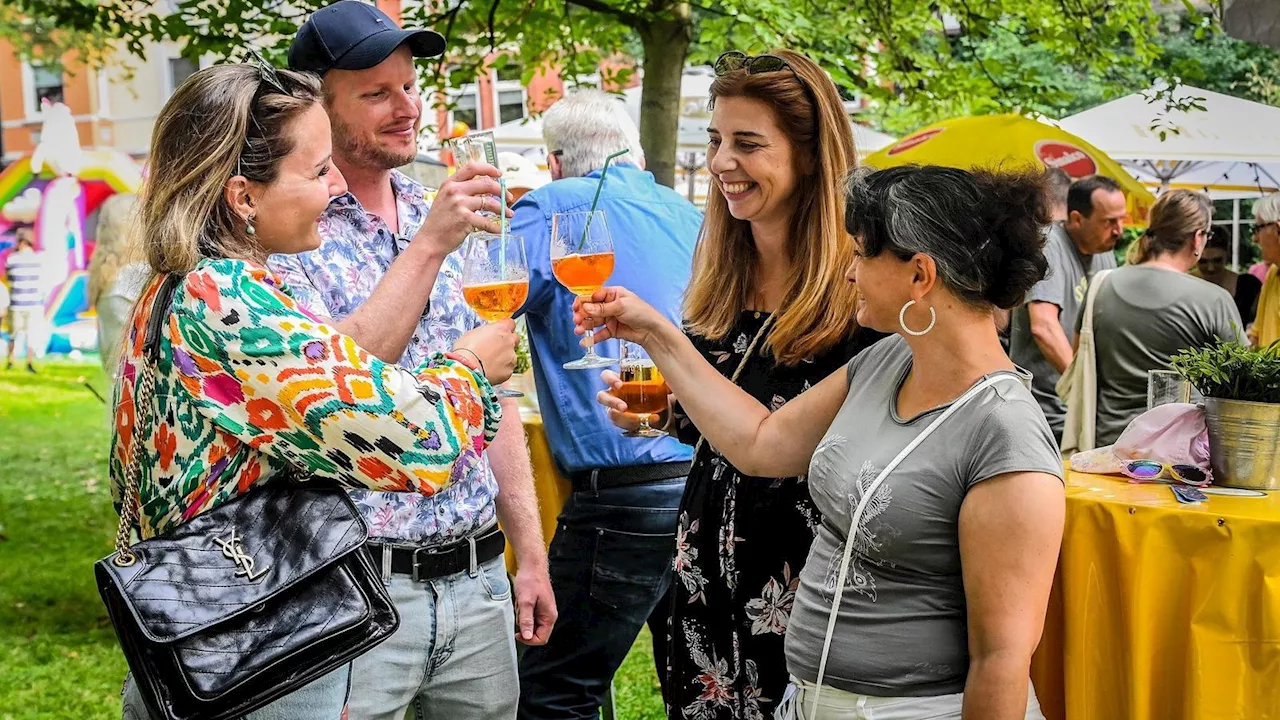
582,260
495,279
643,389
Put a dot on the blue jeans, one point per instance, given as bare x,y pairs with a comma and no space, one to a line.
611,572
323,699
453,656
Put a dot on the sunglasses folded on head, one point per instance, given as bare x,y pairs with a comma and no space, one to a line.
1156,471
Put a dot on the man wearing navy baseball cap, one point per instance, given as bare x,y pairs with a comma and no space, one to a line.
388,275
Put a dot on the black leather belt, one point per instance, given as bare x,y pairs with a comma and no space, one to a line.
603,478
426,563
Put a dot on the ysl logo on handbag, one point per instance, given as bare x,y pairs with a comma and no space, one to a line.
234,551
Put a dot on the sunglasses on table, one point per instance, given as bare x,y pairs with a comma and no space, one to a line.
1155,471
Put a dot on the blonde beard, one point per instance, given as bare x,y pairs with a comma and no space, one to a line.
366,154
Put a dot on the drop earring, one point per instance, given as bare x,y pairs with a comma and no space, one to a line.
249,223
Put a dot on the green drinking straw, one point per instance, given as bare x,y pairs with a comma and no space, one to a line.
599,186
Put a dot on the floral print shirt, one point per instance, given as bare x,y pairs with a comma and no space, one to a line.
249,384
356,250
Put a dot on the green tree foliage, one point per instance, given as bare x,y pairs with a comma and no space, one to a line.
1191,50
933,56
46,30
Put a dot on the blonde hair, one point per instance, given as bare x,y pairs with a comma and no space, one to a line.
224,121
1175,219
818,308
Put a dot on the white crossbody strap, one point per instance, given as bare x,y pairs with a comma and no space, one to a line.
869,493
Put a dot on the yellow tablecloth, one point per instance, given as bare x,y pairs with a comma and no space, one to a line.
551,488
1163,611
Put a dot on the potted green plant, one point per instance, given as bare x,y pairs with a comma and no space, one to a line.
1241,387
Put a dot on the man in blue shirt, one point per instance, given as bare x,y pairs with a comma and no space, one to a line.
612,552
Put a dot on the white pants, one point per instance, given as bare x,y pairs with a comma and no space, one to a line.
835,704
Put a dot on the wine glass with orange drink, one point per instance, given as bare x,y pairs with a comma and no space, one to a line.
582,260
495,279
643,389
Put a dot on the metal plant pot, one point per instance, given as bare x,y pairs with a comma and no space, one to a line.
1244,443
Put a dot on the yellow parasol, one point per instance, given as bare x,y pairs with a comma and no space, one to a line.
992,141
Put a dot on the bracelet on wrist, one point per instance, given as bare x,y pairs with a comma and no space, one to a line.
477,366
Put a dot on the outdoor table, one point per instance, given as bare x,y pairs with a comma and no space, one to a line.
1160,610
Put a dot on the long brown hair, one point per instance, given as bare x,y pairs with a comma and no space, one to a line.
819,305
223,121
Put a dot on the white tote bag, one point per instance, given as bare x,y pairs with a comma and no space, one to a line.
1078,386
793,710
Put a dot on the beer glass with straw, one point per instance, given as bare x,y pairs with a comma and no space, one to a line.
582,260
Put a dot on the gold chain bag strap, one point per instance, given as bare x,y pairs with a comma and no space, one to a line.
742,364
245,602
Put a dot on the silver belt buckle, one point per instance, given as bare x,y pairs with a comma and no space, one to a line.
413,573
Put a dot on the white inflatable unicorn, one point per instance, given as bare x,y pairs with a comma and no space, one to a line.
59,147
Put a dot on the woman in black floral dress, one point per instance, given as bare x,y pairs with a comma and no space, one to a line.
768,306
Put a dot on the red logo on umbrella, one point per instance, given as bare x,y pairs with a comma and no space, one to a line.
1073,160
914,141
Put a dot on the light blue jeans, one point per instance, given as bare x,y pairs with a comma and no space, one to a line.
321,700
453,656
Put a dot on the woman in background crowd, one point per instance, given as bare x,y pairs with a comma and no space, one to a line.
1212,266
1147,312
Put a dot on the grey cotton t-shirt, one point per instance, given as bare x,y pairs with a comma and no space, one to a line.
901,629
1143,316
1064,286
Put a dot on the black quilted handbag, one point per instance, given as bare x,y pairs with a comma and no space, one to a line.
247,602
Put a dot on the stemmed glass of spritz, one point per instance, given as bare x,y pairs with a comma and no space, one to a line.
495,279
582,260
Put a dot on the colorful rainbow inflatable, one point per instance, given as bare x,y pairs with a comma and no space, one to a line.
63,209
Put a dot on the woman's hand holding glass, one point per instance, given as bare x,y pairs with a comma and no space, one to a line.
624,316
494,345
617,410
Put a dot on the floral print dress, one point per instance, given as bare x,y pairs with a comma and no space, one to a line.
740,544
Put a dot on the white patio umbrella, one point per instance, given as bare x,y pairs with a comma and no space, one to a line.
1229,150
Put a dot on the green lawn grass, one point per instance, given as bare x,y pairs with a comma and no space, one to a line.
58,654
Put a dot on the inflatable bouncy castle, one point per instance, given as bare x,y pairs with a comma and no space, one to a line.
57,190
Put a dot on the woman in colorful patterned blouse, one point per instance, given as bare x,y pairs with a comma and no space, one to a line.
249,384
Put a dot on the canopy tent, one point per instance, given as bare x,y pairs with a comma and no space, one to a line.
1230,149
1010,141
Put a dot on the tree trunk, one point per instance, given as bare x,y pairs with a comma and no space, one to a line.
666,44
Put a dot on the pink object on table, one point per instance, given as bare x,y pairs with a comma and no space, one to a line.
1174,433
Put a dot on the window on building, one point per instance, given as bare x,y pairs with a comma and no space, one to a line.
47,85
509,72
466,110
510,105
180,69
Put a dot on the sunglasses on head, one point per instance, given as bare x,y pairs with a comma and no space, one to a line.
753,64
1154,470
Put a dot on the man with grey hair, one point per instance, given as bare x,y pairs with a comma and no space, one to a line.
612,553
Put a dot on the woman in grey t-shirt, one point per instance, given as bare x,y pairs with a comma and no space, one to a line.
1146,313
953,560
